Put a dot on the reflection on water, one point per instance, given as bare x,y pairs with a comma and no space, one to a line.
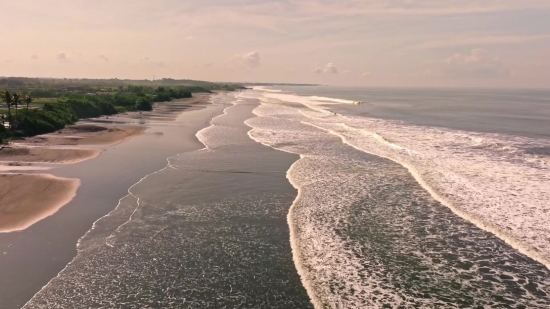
209,231
369,236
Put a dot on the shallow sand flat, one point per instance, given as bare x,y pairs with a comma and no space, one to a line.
20,167
171,110
46,155
30,258
27,199
112,136
86,134
103,131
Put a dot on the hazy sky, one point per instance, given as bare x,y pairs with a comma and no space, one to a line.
344,42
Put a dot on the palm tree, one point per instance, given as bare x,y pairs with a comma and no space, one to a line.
16,100
28,100
8,98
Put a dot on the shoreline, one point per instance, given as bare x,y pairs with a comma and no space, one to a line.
122,164
73,144
20,195
227,201
520,246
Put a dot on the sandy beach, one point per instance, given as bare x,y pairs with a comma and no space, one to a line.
72,144
22,154
86,134
27,199
105,156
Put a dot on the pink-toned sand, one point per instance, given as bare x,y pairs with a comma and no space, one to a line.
28,198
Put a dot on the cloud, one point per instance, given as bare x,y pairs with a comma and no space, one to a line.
204,65
150,62
477,41
252,59
347,72
62,57
414,8
476,64
191,38
330,68
317,69
34,57
366,74
249,60
103,57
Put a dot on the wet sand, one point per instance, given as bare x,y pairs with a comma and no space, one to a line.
46,155
208,231
27,199
31,257
86,134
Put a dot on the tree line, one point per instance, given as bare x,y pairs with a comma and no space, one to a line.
20,120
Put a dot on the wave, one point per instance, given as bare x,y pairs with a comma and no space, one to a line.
105,229
308,101
487,179
266,89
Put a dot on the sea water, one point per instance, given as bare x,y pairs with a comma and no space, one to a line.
418,211
392,203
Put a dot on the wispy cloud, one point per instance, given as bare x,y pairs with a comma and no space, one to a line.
204,65
258,40
477,41
477,64
328,68
156,63
62,57
250,60
408,7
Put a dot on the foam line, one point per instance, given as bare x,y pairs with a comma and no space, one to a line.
114,210
296,255
480,223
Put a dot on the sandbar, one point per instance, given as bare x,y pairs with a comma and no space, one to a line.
26,199
46,155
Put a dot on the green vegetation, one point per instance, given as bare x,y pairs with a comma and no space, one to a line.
142,104
34,106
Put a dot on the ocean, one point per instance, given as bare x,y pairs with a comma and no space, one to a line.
303,197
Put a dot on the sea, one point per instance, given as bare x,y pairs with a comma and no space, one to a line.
332,197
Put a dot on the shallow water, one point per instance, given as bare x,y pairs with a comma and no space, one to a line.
208,231
369,235
29,259
381,214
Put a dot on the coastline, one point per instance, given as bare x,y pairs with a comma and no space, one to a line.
27,199
208,229
134,145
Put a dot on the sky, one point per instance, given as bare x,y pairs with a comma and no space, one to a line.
387,43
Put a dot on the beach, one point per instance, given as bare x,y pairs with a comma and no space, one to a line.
208,229
272,200
26,199
55,186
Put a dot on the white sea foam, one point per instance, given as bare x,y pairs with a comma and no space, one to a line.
489,179
308,101
266,89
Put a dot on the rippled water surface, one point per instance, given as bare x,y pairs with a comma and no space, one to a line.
305,200
208,231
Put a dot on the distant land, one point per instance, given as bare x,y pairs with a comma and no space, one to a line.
12,81
274,84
